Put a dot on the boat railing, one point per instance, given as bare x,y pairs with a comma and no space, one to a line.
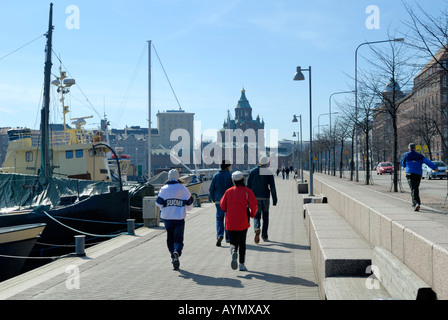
65,138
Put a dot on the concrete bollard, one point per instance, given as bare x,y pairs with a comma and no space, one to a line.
302,188
80,243
131,227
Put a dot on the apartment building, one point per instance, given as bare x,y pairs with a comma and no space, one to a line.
422,117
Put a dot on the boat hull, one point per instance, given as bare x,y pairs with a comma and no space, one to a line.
194,188
97,216
17,241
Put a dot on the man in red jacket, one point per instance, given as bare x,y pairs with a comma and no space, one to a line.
240,205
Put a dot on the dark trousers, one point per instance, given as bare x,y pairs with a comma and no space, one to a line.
238,243
175,235
414,184
221,223
262,213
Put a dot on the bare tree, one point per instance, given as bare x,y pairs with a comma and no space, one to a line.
342,131
392,63
367,101
428,33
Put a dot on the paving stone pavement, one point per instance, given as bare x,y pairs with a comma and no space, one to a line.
140,268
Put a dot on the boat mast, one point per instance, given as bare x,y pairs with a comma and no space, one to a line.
149,108
45,171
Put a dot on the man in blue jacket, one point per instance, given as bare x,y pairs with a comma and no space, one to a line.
221,181
261,182
413,161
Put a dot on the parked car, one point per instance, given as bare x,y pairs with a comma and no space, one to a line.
432,174
384,167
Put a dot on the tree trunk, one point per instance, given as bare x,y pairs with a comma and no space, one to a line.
342,159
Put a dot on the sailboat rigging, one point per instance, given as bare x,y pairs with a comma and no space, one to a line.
93,207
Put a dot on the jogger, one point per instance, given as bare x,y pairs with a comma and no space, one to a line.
174,200
240,205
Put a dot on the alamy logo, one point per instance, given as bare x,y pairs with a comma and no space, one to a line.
235,145
73,280
374,280
373,20
73,20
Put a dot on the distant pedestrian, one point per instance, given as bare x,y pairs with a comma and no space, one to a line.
221,181
240,205
261,182
413,161
174,200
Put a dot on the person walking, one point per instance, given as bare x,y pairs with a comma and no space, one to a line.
174,200
221,181
413,161
240,205
261,182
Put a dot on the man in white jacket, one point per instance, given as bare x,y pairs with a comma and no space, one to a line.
174,200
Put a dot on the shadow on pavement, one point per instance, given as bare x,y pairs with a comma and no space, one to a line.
211,281
269,277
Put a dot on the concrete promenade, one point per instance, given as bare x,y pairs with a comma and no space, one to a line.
413,245
139,267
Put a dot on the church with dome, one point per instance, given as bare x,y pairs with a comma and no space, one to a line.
240,135
243,116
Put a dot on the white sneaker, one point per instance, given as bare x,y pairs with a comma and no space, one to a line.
242,267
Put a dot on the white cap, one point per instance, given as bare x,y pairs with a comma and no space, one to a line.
237,176
263,160
173,174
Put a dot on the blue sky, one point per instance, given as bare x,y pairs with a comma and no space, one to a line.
210,49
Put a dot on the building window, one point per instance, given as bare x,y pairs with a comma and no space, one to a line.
79,153
444,97
29,156
444,82
69,154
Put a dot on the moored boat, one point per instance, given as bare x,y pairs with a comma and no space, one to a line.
66,206
75,152
16,243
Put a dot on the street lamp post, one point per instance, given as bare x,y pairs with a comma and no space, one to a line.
356,96
300,77
318,120
301,148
